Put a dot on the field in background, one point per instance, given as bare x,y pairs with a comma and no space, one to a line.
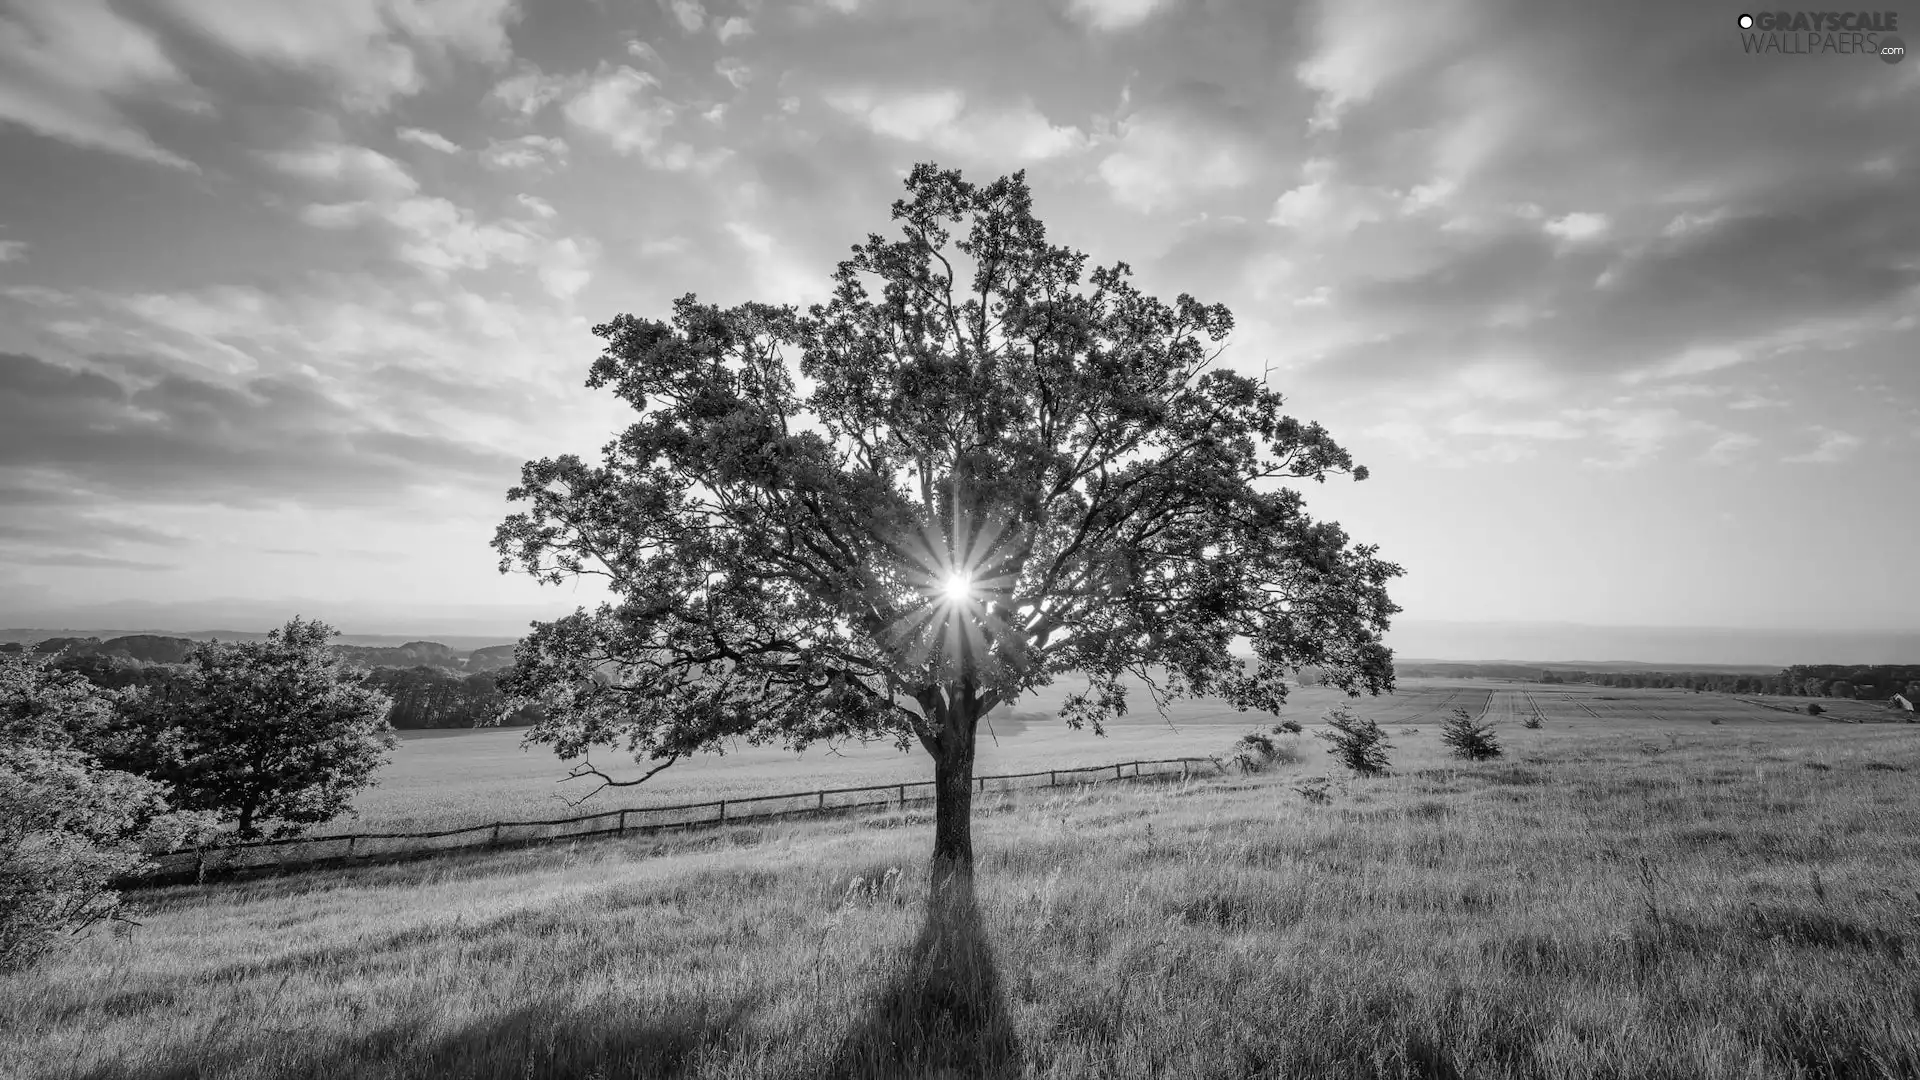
450,779
1634,891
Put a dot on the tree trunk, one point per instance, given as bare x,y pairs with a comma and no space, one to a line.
953,801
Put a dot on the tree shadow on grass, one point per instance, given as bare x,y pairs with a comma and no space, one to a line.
942,1011
546,1039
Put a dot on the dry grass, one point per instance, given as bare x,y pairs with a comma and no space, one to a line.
1612,900
452,779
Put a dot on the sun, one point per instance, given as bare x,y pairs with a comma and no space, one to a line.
958,588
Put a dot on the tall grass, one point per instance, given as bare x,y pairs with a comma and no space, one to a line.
1595,906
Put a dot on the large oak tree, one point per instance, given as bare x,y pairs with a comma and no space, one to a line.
999,476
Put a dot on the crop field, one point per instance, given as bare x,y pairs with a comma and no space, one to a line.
1632,891
450,779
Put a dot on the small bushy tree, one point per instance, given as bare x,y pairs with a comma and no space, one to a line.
273,736
1358,744
1814,709
1532,722
68,826
1254,751
1467,739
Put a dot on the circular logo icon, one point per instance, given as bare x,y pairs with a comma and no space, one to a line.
1746,22
1892,50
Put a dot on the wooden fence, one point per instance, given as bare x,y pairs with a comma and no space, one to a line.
314,851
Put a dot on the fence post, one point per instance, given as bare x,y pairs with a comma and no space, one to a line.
496,834
723,810
823,800
1050,778
1183,770
903,796
1116,772
350,840
623,823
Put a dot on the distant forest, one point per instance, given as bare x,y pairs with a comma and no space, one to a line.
1859,682
431,685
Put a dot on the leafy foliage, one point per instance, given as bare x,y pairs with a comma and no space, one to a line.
273,735
1358,744
1467,739
784,563
68,827
1288,727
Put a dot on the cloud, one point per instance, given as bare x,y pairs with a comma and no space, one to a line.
434,233
734,70
750,238
688,13
69,69
432,140
85,560
364,172
1639,434
13,251
129,428
67,529
535,203
941,119
1112,15
1322,204
564,266
371,51
1347,65
622,106
733,27
528,90
1577,227
1168,156
1833,446
524,152
1729,448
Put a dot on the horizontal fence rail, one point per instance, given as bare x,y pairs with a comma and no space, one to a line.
314,851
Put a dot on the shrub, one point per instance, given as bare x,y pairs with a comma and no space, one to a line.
68,826
1532,722
1287,727
1814,709
1466,739
1253,752
1314,790
1358,744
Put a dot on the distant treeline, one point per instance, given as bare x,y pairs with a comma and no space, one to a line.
431,685
1863,682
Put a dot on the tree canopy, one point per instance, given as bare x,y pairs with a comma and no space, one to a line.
271,735
1005,470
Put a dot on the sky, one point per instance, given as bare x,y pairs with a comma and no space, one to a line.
1622,319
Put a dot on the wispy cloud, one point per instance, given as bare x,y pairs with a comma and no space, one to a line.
432,140
1831,446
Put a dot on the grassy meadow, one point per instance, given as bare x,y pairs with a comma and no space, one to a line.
450,779
1634,891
